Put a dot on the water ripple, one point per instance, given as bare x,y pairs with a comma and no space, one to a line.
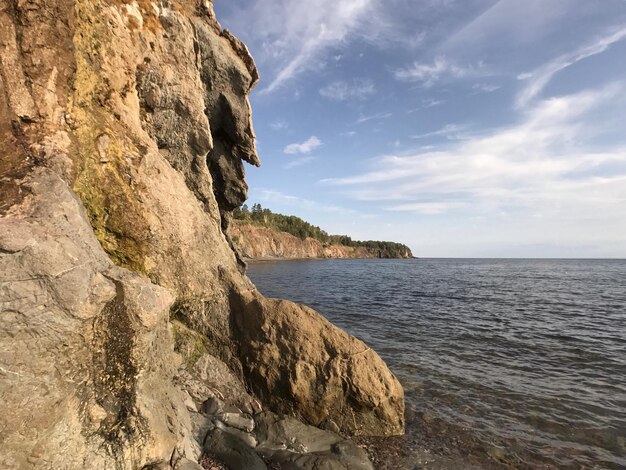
528,354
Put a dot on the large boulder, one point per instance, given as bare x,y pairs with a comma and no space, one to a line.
301,364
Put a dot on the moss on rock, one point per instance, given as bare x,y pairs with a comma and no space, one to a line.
104,180
189,344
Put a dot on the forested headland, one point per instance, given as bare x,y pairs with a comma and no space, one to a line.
297,227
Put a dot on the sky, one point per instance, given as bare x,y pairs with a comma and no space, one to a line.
463,128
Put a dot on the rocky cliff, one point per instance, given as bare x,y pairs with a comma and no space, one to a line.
256,242
130,338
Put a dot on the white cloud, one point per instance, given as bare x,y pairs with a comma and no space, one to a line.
427,103
539,78
305,147
291,37
279,125
373,117
299,162
296,34
348,134
485,87
501,23
357,89
449,131
427,208
278,197
441,68
544,166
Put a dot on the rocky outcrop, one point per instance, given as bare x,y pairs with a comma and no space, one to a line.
257,242
301,364
243,442
124,128
83,385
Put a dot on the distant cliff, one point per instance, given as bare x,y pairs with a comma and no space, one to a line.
258,242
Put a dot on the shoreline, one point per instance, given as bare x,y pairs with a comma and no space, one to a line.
270,259
255,240
461,351
430,443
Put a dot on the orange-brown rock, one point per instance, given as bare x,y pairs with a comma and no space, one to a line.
301,364
258,242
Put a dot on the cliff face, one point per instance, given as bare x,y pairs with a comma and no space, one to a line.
256,242
123,129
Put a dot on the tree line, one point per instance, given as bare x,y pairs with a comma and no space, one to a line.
299,228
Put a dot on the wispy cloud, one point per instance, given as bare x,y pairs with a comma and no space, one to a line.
279,125
297,42
449,131
543,165
278,197
427,208
539,78
485,87
357,89
430,73
426,103
500,21
305,147
291,37
299,162
373,117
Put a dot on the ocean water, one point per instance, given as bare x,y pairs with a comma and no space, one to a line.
527,356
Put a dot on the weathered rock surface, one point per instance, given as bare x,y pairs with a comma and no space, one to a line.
301,364
186,464
232,451
83,383
282,441
256,242
123,131
289,442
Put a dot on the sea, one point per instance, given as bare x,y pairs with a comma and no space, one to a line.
522,358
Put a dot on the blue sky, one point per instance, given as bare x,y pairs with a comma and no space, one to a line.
463,128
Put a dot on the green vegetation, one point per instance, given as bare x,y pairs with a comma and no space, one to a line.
301,229
188,343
